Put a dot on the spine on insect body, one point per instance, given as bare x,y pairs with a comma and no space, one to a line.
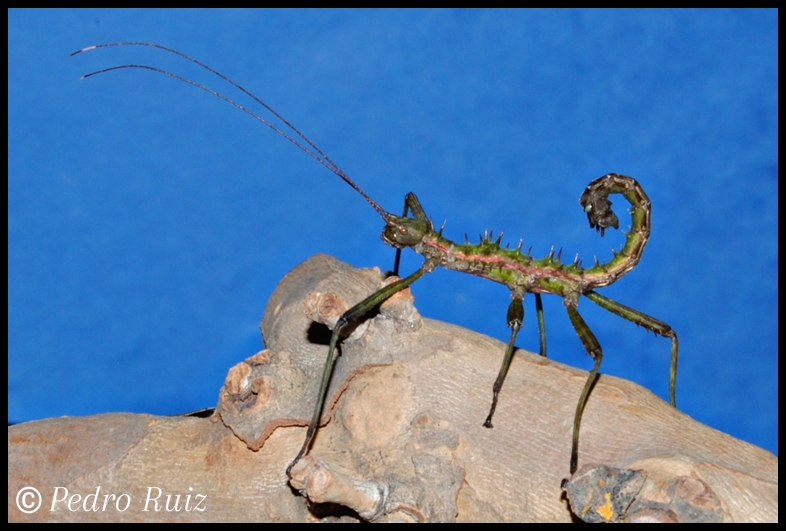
521,272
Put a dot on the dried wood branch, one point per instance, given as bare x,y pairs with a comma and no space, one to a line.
402,438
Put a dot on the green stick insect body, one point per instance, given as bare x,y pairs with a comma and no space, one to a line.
520,272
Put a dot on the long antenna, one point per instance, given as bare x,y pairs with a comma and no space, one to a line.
319,156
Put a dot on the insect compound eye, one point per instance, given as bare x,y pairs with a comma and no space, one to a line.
403,231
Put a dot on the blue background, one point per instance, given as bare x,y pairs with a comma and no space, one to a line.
149,222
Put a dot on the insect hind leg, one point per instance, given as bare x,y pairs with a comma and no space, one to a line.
592,347
651,324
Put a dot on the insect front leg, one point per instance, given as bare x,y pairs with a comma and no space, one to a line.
593,349
350,318
411,202
398,249
515,319
650,323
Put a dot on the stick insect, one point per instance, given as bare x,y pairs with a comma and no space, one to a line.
520,272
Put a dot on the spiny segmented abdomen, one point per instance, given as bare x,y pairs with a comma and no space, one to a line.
598,208
520,272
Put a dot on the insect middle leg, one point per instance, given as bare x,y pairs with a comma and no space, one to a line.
515,320
541,324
